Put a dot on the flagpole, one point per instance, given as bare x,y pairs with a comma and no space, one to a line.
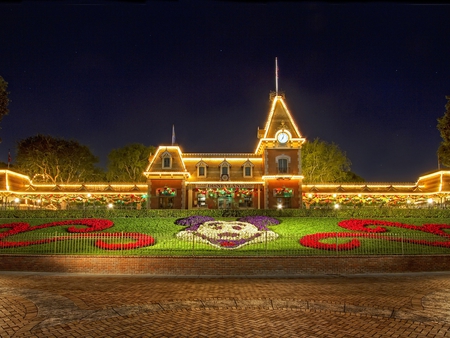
173,134
276,76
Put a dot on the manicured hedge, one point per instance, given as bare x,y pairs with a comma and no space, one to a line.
341,213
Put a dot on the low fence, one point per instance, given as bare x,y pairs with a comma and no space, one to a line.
249,245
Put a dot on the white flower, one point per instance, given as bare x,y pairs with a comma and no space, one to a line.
227,235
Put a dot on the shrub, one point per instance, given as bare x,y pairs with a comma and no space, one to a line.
365,212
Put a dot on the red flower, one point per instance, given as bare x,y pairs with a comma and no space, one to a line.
141,240
227,244
369,229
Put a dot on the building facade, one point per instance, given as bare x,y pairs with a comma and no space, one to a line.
267,178
270,177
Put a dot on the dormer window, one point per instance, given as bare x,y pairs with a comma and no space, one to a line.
166,160
201,169
225,170
247,169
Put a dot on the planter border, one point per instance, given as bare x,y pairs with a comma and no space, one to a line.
225,266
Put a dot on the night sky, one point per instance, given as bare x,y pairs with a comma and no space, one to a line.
371,78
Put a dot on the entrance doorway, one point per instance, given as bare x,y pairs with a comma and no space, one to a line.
284,202
166,202
225,202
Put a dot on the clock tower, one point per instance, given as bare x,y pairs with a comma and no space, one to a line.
279,145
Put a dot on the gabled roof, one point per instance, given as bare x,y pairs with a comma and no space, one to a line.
438,180
10,181
248,163
177,168
225,163
279,118
201,163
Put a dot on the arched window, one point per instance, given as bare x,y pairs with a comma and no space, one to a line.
283,164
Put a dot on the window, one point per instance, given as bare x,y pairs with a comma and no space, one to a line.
201,169
201,201
283,162
166,160
282,165
225,170
247,169
246,201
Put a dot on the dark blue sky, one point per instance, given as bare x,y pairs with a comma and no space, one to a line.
371,78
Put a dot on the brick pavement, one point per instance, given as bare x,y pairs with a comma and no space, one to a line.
64,305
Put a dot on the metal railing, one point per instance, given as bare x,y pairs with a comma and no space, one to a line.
170,245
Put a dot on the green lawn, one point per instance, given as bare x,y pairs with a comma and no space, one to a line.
164,231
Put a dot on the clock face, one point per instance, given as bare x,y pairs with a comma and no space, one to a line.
282,137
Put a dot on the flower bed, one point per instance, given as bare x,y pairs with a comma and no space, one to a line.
368,229
228,235
93,225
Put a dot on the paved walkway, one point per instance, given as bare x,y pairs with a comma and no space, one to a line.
61,305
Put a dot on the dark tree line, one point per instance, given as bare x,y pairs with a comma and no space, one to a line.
56,160
444,128
4,99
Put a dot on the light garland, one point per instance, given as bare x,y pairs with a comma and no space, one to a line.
311,199
214,192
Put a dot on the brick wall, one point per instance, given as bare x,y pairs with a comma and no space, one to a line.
223,266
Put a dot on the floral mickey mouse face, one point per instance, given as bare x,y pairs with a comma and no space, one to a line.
228,235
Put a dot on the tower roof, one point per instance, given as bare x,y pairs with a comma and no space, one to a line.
279,118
